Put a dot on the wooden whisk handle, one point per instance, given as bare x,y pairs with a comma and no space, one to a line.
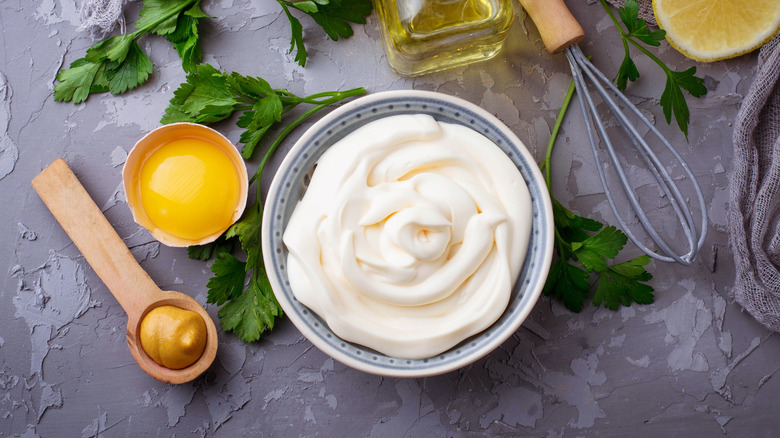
557,26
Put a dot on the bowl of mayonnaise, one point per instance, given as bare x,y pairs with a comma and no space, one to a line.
408,233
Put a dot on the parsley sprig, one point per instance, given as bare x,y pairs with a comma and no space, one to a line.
209,95
333,16
118,64
672,98
582,254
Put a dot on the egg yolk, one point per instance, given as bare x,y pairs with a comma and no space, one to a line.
189,187
173,337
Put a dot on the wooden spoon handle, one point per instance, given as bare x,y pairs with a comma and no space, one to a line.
559,29
89,229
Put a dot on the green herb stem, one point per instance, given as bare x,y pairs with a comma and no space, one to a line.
314,98
648,53
561,243
612,16
636,32
626,38
582,255
546,164
554,135
337,96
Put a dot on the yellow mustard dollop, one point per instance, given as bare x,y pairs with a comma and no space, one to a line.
173,337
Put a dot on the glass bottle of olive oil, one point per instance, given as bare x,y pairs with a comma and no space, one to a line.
424,36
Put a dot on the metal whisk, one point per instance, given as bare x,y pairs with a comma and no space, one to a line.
560,32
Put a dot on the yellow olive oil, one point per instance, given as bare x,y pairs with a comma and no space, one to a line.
424,36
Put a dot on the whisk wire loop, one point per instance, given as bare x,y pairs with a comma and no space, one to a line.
653,163
695,239
645,150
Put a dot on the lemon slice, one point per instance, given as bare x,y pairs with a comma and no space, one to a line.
710,30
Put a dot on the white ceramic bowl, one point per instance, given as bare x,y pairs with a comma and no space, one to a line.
289,185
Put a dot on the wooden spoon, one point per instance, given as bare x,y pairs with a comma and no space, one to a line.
105,251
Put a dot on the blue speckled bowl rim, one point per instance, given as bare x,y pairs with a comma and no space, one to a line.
288,187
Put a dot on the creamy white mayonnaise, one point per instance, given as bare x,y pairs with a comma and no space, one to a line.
410,235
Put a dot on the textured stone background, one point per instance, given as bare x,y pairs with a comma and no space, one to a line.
692,364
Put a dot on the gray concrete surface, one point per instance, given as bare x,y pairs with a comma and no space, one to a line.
692,364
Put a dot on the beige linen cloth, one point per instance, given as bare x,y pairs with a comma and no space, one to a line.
754,214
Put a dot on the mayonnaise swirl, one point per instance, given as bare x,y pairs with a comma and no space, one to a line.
410,235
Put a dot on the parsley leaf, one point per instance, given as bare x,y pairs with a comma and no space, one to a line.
626,72
209,95
185,37
568,283
248,232
76,82
253,312
618,284
621,284
228,280
112,49
132,71
593,251
637,27
117,64
296,41
209,250
672,99
334,16
206,91
570,227
159,16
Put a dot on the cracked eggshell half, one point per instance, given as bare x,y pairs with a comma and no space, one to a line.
185,183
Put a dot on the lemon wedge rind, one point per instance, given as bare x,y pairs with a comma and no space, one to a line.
712,30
